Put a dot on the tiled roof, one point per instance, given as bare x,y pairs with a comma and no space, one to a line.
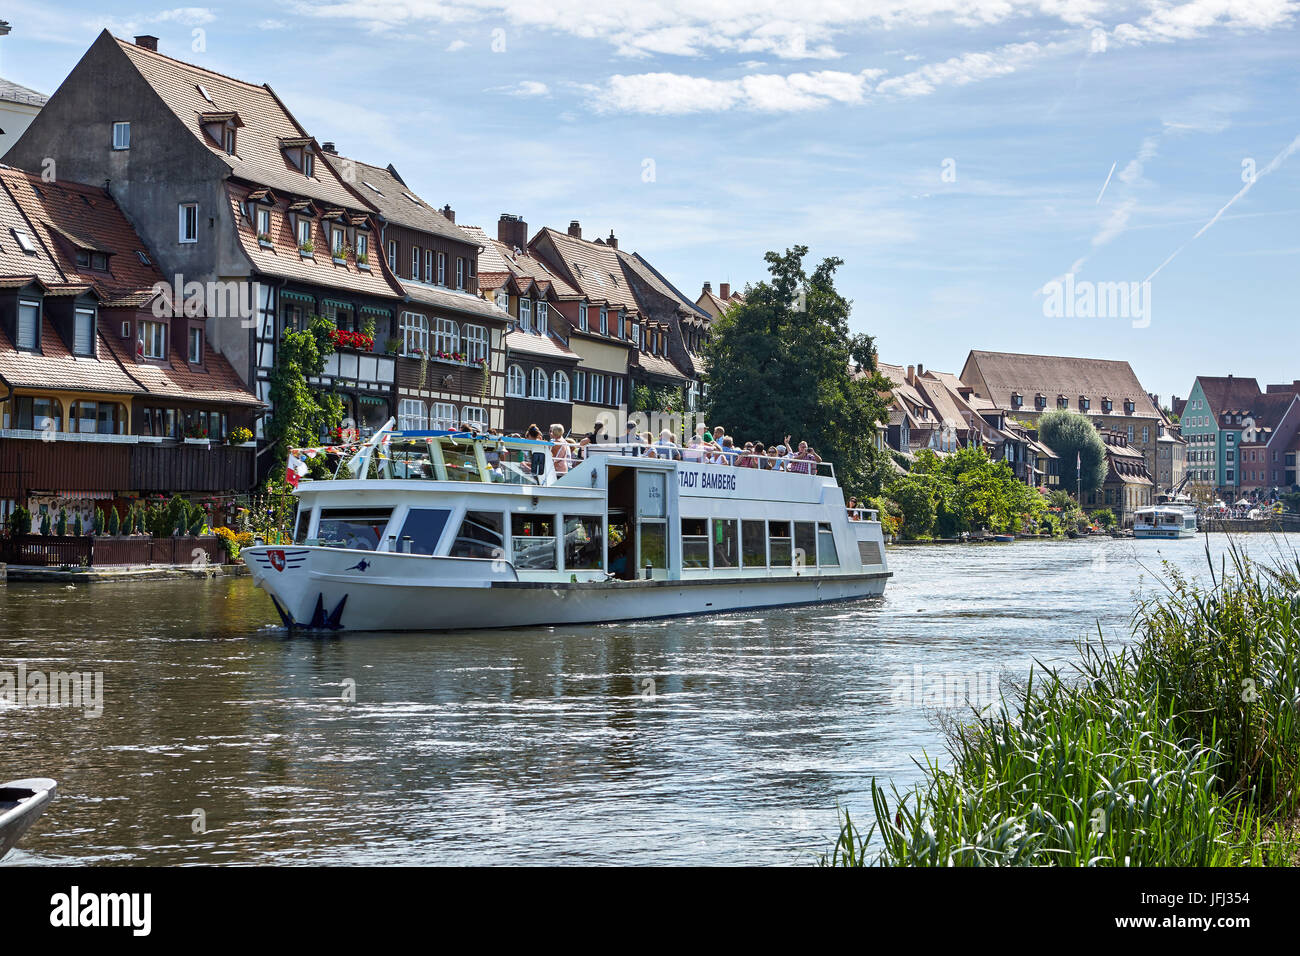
443,298
386,191
284,261
497,257
216,382
1229,393
11,92
258,157
1053,375
56,367
63,215
594,269
636,263
657,365
534,343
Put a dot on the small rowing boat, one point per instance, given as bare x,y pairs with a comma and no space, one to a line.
21,802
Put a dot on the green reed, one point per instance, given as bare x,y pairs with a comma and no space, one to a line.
1182,749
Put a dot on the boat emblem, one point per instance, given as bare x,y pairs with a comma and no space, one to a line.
359,566
277,559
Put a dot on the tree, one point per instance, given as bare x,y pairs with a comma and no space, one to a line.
783,362
300,412
1069,434
915,495
1104,517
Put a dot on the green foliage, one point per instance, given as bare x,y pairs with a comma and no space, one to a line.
1104,517
99,521
173,518
61,525
20,521
780,364
77,528
1069,434
962,492
300,413
114,523
1181,749
650,398
45,524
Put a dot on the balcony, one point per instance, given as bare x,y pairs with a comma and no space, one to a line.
351,368
68,462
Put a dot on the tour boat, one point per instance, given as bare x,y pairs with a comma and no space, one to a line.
21,802
1164,521
429,531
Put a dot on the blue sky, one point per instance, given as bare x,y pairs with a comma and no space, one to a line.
957,154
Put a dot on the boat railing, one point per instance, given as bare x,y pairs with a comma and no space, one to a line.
728,457
864,514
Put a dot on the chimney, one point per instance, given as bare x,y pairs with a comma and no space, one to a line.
708,288
329,148
575,229
449,212
512,231
911,375
724,291
611,240
920,369
148,42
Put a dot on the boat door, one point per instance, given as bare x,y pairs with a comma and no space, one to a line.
638,520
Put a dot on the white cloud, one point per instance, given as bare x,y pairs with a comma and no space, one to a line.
456,45
675,93
523,88
960,70
1181,21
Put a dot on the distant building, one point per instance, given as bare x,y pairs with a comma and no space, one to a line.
715,305
18,107
1128,483
1238,437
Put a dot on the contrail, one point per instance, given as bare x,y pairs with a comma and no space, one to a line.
1273,164
1107,182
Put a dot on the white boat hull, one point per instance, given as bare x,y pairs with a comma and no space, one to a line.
1164,533
322,588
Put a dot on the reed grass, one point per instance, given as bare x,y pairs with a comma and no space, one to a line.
1180,749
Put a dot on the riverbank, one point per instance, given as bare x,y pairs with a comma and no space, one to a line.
152,572
1182,749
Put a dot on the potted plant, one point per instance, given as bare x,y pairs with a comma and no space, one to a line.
241,436
363,260
341,255
307,249
264,240
197,434
393,345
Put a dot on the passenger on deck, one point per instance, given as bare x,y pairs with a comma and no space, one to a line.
805,460
727,454
853,509
536,460
667,447
748,458
559,450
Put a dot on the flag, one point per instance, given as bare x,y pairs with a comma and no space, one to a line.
295,470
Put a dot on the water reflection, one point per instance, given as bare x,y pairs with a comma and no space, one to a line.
728,739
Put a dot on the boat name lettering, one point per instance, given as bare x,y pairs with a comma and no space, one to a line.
712,480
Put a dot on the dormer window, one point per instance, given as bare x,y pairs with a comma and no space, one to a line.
196,345
1040,402
503,300
264,222
1085,403
1107,405
1129,407
95,261
304,235
604,321
308,164
29,323
228,140
1062,401
1017,400
525,314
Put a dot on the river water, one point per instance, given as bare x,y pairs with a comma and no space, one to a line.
728,739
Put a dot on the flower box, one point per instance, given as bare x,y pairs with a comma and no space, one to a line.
306,254
345,339
206,442
340,260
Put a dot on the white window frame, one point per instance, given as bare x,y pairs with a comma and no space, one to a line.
503,300
304,231
415,332
636,334
392,255
338,241
415,263
476,342
442,268
308,163
442,417
579,385
559,386
428,265
515,382
525,314
363,246
195,338
597,389
412,416
33,308
182,228
144,333
460,272
582,316
89,316
475,415
264,222
543,317
616,390
604,320
446,337
121,135
539,384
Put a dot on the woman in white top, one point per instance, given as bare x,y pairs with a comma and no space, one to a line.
559,449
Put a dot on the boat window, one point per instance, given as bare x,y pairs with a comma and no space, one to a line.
778,533
827,556
726,543
753,537
421,530
358,528
695,542
462,464
533,542
480,536
303,523
583,548
654,544
805,544
410,459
